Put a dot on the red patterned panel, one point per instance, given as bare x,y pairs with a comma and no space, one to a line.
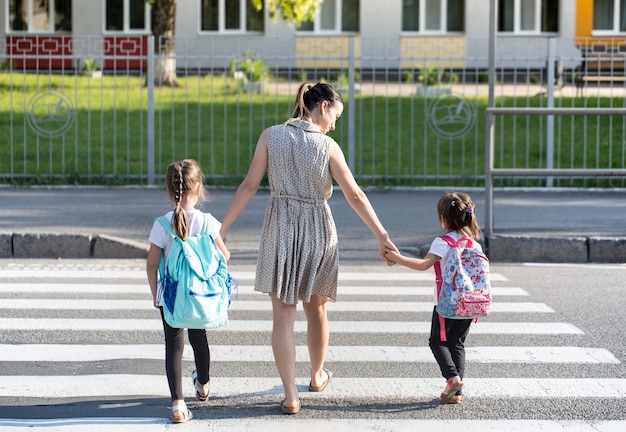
40,52
125,52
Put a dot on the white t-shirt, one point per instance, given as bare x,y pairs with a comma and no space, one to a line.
440,248
161,238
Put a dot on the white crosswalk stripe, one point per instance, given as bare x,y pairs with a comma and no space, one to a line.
351,306
156,385
344,290
256,353
287,425
27,292
387,327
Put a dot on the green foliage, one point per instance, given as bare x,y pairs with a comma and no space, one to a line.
342,79
89,65
483,77
6,65
407,75
291,11
254,68
435,76
430,76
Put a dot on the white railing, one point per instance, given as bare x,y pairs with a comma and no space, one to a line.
61,125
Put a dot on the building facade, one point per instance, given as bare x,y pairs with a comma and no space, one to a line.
399,34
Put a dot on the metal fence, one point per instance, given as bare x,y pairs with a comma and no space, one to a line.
413,117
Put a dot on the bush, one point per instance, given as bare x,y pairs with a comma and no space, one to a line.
253,67
436,76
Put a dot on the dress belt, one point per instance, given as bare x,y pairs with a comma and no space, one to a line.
314,201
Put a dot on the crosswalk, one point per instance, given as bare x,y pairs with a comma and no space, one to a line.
83,338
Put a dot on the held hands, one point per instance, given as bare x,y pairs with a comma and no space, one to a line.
387,246
391,256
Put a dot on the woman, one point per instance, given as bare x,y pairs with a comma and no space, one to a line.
298,250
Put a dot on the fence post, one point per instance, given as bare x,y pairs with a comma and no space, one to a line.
550,118
489,118
351,103
150,117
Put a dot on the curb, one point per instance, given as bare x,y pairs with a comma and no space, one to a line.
499,248
551,249
577,249
69,246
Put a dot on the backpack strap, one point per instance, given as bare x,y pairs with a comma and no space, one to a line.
439,281
166,224
206,226
456,244
168,228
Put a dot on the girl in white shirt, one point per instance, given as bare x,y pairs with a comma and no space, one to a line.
457,219
185,187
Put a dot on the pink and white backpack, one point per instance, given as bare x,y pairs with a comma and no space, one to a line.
463,285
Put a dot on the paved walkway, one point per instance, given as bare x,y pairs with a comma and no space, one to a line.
529,225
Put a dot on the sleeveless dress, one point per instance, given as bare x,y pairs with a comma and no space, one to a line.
298,255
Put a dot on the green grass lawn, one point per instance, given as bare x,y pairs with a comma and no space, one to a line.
210,120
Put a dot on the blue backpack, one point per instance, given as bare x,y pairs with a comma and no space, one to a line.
195,282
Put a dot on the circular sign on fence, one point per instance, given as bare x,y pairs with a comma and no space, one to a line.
451,116
50,113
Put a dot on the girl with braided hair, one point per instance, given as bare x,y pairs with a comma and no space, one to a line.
457,218
185,187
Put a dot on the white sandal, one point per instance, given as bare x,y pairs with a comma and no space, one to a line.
187,415
201,393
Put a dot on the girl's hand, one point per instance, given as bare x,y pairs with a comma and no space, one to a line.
391,256
384,247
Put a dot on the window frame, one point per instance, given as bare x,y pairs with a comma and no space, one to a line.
338,30
30,30
517,20
126,20
616,22
221,19
443,21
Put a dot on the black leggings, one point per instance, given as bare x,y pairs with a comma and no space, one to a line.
450,355
174,345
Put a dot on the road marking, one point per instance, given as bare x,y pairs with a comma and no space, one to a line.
265,305
339,388
113,274
286,424
262,353
243,289
81,324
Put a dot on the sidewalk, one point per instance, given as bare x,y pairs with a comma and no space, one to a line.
533,225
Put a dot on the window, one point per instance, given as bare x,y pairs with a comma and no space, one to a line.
433,16
528,16
609,16
230,16
335,16
127,16
41,16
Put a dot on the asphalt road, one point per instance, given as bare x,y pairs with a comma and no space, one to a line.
408,215
574,394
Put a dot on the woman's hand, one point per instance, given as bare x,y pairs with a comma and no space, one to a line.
391,256
385,246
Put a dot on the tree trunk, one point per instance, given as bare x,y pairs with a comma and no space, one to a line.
163,27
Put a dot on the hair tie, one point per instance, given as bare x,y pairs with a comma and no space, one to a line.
469,209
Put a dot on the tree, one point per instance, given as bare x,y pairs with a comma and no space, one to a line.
292,11
164,23
163,29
